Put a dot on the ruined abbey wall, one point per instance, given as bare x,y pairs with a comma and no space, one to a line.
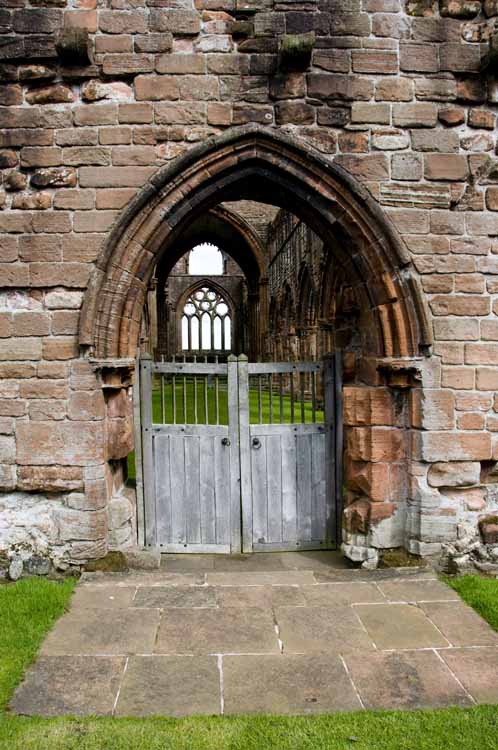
96,95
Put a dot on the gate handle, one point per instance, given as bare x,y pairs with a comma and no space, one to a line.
256,443
225,441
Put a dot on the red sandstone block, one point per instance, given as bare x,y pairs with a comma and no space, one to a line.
470,284
156,88
487,379
78,249
419,58
489,330
96,114
461,378
481,354
452,446
382,62
450,354
113,44
445,167
394,90
35,388
65,322
86,406
113,136
371,113
465,305
93,221
376,444
117,22
58,274
464,329
460,58
368,167
471,421
114,176
27,323
29,348
419,115
367,406
127,64
114,199
60,347
347,88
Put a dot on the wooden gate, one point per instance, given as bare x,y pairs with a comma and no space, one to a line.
239,457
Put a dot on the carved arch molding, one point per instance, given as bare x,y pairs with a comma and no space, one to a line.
261,164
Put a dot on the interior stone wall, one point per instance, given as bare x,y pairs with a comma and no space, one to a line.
96,95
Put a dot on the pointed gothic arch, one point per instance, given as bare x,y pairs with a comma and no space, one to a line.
243,163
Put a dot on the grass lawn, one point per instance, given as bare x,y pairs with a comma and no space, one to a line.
481,594
185,410
28,609
185,405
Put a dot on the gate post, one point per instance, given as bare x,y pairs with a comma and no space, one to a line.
139,472
233,433
332,434
147,456
245,454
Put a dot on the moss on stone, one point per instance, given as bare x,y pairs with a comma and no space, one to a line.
113,562
400,558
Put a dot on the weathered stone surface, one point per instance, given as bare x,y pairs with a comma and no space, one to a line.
454,474
54,177
55,94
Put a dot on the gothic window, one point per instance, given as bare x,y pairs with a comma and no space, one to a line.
206,322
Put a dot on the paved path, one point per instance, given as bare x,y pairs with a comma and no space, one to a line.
290,633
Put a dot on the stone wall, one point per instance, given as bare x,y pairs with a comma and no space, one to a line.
95,96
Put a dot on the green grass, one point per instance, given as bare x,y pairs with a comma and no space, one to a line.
481,594
28,609
185,409
281,411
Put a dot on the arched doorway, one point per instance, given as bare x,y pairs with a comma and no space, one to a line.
254,162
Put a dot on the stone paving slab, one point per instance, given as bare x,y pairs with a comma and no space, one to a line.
320,629
273,578
288,684
417,591
217,631
103,631
170,686
408,679
205,634
399,626
260,596
175,597
108,596
339,594
461,625
78,685
477,670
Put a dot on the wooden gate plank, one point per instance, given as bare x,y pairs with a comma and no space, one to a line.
289,488
274,492
303,451
259,491
222,473
177,464
207,497
192,489
163,488
148,452
318,490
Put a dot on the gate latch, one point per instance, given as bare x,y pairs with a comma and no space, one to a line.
256,443
225,441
